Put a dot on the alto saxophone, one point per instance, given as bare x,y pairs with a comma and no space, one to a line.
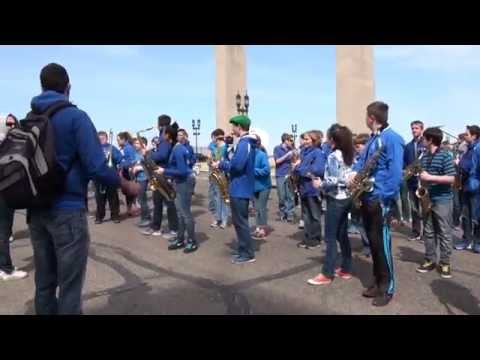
218,177
293,179
424,200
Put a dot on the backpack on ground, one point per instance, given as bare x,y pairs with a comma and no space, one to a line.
30,175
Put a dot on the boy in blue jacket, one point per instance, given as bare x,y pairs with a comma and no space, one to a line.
241,169
263,184
178,168
59,234
124,141
387,179
104,193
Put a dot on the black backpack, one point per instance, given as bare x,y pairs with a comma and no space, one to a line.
30,176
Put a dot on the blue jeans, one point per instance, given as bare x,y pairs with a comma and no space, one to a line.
336,225
240,222
221,208
261,211
6,222
211,197
60,241
183,204
358,223
142,199
468,220
286,203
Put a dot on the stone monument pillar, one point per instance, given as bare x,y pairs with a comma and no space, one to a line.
230,79
355,85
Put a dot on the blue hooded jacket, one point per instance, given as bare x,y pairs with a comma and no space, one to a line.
313,162
78,151
128,156
162,154
262,171
388,172
242,168
179,164
191,152
116,154
466,164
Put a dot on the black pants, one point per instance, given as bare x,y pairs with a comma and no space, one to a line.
6,223
102,194
312,218
172,216
378,234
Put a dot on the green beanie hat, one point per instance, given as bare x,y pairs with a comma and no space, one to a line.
240,120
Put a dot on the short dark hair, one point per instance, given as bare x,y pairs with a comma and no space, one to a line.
164,120
54,77
218,132
286,137
417,122
103,133
125,135
379,111
361,139
474,130
434,134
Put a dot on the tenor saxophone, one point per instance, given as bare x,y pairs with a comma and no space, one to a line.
218,177
424,200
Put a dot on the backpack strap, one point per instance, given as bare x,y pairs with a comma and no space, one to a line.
57,106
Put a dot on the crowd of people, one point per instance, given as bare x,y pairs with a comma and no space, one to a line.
316,184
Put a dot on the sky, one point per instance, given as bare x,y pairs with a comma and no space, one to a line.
127,87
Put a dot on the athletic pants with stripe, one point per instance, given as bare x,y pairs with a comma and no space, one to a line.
378,233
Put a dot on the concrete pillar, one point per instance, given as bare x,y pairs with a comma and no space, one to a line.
230,79
355,85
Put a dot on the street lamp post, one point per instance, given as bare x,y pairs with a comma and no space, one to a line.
294,131
196,132
243,110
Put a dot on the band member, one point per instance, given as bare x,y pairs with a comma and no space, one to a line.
140,177
221,207
7,270
412,152
387,178
263,184
334,185
161,156
474,186
467,195
301,149
124,141
178,168
192,159
104,193
312,164
437,176
283,154
359,143
241,170
212,195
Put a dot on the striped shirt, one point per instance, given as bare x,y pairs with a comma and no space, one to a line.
439,163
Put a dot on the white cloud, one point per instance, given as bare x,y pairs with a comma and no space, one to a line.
431,57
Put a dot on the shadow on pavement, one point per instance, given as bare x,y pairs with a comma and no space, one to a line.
452,294
407,254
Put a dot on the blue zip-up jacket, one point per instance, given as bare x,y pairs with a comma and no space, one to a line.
116,154
465,166
140,176
162,154
178,166
241,168
313,162
78,151
388,173
409,157
191,152
128,156
262,171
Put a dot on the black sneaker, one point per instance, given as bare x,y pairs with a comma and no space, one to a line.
98,222
427,266
191,247
176,245
445,271
116,221
382,300
371,292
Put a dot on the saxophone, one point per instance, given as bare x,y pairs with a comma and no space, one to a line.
424,199
218,177
293,179
157,182
362,183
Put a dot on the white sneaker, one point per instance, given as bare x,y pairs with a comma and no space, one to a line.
11,239
301,224
15,275
170,235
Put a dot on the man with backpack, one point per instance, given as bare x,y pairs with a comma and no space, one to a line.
56,218
7,270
